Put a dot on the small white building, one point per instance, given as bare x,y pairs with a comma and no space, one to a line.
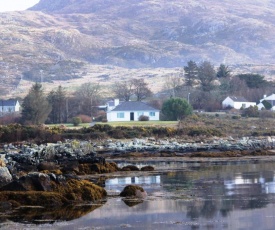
268,102
236,102
9,106
131,111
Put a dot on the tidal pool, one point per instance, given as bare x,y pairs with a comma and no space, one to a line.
232,195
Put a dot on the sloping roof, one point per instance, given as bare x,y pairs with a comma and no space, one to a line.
270,97
134,106
238,99
10,102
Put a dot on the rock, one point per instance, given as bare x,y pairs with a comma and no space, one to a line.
2,163
47,166
130,168
70,167
49,190
97,168
5,176
31,182
147,168
133,191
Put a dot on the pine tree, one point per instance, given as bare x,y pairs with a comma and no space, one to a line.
35,106
190,73
223,71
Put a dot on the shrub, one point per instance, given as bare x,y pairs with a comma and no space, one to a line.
143,118
251,111
85,118
76,121
236,117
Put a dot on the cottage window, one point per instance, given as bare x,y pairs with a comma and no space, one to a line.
140,114
152,114
120,115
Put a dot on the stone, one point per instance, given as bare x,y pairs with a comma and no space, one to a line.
5,176
134,191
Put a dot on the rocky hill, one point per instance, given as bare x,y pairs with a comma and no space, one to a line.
63,40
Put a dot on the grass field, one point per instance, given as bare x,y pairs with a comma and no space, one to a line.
126,123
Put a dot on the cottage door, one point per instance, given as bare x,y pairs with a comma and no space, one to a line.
132,116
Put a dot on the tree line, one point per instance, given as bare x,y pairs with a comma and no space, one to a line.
206,86
58,107
200,84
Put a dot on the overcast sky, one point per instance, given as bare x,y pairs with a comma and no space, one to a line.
12,5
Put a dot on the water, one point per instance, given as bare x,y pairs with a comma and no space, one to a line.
191,196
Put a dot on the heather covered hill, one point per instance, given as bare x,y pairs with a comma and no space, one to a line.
65,39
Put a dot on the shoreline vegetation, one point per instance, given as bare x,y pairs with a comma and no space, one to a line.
194,128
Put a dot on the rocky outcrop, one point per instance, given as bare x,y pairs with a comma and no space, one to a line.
173,145
50,189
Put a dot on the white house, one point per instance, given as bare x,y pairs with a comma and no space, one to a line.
237,102
131,111
267,102
9,106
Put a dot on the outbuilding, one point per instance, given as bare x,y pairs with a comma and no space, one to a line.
237,102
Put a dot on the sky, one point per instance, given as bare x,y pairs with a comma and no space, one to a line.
14,5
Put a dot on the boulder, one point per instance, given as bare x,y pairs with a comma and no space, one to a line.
5,176
130,168
147,168
31,182
47,166
134,191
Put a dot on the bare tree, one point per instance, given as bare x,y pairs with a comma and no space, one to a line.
88,96
141,89
137,87
123,90
173,84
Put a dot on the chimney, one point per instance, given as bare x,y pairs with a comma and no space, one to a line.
265,96
116,102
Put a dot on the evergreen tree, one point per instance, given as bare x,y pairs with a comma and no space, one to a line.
190,73
253,80
223,71
176,109
206,76
35,106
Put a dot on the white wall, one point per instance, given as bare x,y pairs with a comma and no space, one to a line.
112,115
228,102
237,105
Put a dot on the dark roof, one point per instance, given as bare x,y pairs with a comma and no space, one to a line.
10,102
134,106
238,99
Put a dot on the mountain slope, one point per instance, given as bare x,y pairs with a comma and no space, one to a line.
59,40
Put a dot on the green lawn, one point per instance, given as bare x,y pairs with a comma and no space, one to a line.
125,123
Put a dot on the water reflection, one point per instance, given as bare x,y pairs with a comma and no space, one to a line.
133,180
205,196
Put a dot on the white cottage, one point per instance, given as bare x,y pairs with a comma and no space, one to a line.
237,102
131,111
9,106
267,103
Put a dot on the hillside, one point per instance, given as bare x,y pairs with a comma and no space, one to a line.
58,41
